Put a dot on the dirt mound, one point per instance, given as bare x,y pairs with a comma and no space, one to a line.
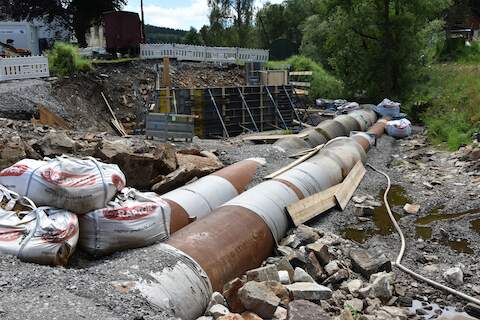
127,86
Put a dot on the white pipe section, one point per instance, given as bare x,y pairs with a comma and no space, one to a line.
200,198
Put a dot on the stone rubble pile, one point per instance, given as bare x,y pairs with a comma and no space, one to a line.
147,165
315,275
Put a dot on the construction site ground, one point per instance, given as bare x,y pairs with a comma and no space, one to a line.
444,233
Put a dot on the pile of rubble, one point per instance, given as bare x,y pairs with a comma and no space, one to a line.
468,158
201,75
316,275
146,164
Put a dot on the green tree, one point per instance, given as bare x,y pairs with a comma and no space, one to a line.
192,37
377,47
232,15
77,15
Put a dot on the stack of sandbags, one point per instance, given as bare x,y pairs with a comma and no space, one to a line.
77,185
41,235
132,219
112,217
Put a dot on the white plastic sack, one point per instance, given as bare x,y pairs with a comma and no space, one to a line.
39,235
77,185
388,108
399,128
132,220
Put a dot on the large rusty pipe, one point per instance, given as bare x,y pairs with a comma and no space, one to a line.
242,233
196,200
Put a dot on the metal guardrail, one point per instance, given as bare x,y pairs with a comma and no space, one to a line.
23,68
202,53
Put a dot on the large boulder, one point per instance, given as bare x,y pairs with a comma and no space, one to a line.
190,165
141,162
56,143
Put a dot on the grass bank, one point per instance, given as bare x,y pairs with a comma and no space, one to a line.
449,103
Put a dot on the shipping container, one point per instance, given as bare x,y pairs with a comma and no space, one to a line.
123,32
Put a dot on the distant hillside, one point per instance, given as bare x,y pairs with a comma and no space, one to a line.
163,35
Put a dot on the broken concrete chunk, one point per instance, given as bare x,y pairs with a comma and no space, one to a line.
309,291
267,273
284,277
368,263
355,304
301,275
313,267
282,264
279,290
280,314
306,235
454,276
216,298
332,267
55,144
230,292
321,252
382,285
217,310
258,298
291,241
306,310
411,208
354,285
337,278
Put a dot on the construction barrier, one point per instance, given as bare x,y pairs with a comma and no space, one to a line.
23,68
202,53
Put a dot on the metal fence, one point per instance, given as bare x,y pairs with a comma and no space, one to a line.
201,53
23,68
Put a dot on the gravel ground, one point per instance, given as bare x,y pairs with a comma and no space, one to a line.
93,289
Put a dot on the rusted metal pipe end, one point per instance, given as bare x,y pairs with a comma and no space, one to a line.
240,174
227,243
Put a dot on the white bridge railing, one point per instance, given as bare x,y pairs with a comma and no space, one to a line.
201,53
23,68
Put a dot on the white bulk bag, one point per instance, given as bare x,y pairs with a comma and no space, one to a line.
77,185
39,235
132,220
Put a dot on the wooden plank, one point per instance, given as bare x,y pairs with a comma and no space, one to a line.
49,118
295,163
350,184
272,137
310,207
301,73
300,84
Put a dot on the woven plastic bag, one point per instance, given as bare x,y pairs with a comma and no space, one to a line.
77,185
40,235
131,220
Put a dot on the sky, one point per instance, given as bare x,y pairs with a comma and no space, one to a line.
178,14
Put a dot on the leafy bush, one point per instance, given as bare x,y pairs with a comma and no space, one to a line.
64,59
323,84
449,104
